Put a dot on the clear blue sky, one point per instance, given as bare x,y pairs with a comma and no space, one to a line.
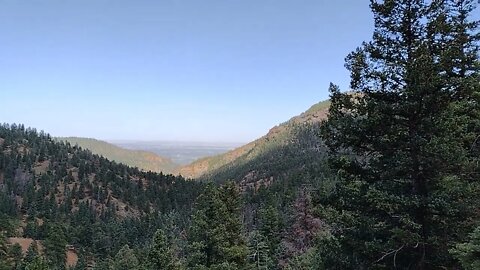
209,70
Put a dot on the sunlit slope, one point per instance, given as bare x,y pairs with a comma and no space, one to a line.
144,160
278,137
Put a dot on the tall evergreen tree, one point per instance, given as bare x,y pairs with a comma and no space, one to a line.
206,238
259,254
55,243
161,255
405,140
125,259
270,226
212,243
237,248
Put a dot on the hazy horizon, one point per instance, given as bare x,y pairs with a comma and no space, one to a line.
209,143
181,153
172,70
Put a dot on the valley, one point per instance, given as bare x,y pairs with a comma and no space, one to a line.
384,173
181,153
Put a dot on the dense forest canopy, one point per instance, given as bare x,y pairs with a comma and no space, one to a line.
59,194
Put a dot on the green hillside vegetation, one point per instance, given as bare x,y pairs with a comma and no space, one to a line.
58,194
144,160
297,135
59,198
392,174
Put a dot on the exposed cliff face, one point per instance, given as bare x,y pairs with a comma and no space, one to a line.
277,136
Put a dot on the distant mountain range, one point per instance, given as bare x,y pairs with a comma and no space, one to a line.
144,160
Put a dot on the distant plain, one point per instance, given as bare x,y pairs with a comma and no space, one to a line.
181,153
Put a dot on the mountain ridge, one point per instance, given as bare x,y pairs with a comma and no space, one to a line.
145,160
277,135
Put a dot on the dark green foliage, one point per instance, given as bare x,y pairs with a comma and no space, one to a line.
469,253
81,263
405,142
102,265
83,199
161,254
215,239
259,253
32,253
3,253
54,244
7,224
296,150
15,252
270,228
236,250
37,263
125,260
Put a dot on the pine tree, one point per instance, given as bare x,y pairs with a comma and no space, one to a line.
211,239
404,141
270,226
259,254
207,232
125,259
237,249
161,255
55,243
468,253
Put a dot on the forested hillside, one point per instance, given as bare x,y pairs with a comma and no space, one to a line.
67,207
58,194
285,147
144,160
